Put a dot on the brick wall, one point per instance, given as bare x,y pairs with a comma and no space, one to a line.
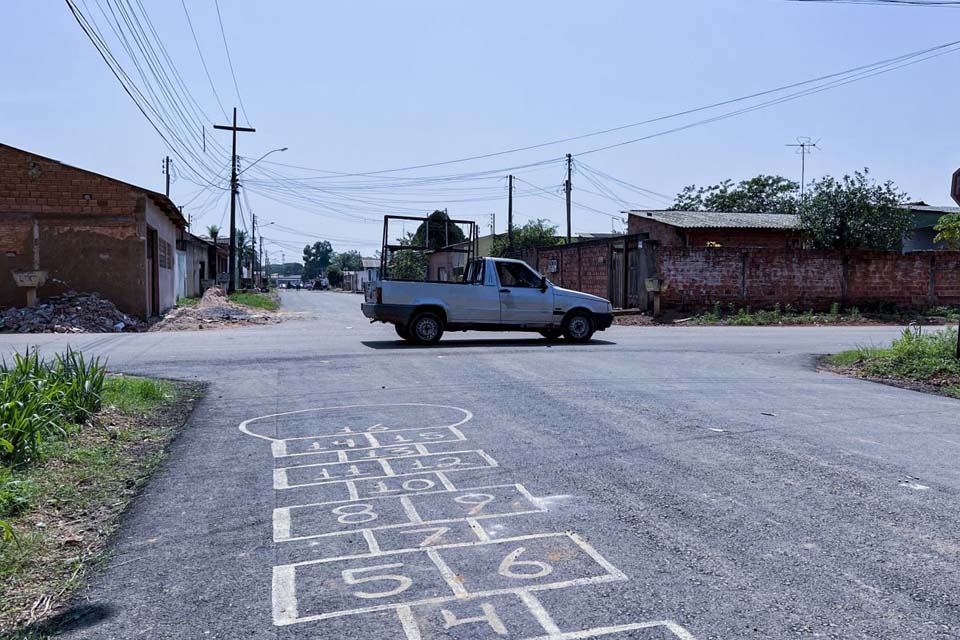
91,230
698,277
669,236
580,266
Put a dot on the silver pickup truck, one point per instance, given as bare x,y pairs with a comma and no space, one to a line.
496,294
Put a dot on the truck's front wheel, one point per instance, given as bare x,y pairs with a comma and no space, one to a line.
578,327
426,328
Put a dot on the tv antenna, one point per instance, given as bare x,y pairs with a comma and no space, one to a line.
804,145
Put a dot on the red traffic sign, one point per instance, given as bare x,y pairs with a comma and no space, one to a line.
955,187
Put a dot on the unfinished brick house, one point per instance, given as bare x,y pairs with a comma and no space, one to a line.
714,229
90,233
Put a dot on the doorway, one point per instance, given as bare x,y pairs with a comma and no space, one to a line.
153,273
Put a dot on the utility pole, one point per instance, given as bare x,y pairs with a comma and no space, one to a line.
234,188
568,186
510,212
804,146
253,248
261,263
166,172
493,224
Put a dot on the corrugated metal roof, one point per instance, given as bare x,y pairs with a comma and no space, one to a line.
371,263
718,220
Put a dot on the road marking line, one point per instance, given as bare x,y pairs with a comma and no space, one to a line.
447,573
480,532
409,624
519,488
245,428
382,460
281,523
371,541
399,475
410,510
284,595
404,525
593,553
536,608
673,627
387,469
352,491
444,480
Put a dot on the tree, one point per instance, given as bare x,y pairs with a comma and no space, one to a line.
286,269
535,233
407,264
334,276
855,213
763,194
213,231
348,261
316,259
244,249
442,233
948,230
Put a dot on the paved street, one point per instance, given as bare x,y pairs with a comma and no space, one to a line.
657,483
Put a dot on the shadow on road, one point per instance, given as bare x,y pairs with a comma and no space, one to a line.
450,344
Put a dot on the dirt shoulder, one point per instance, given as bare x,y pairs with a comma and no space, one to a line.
216,311
64,509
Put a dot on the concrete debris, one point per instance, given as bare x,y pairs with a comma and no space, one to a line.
70,312
214,311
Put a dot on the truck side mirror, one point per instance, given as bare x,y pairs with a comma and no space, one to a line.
543,283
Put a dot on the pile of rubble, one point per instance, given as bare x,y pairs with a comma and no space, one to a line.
214,311
70,312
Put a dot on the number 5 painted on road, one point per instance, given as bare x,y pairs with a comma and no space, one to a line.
403,582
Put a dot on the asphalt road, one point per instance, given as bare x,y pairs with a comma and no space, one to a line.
657,483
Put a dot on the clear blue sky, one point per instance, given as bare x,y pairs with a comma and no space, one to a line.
355,87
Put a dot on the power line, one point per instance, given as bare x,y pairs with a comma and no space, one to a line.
226,48
202,60
950,4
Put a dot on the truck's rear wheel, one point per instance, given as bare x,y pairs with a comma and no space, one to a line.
426,328
402,331
578,327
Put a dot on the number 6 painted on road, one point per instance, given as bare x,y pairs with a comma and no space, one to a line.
403,582
506,567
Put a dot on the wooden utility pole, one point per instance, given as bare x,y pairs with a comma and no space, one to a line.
234,188
568,186
510,212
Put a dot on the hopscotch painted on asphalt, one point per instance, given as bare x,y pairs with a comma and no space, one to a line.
388,515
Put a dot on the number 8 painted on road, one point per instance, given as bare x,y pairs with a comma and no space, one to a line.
358,514
506,567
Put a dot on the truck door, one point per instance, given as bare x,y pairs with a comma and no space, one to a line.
477,300
522,301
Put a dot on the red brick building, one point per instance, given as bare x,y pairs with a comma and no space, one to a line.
712,229
90,233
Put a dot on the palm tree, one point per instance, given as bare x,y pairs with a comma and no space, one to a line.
213,231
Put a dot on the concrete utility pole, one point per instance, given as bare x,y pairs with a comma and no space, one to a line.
234,188
510,212
568,186
493,224
804,146
261,262
166,172
253,248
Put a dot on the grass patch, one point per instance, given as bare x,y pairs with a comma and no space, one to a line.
257,300
747,317
924,361
188,302
63,505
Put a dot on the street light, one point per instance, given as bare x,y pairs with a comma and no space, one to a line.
261,158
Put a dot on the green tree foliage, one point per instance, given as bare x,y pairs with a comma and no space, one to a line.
948,230
407,264
535,233
855,213
334,275
316,259
763,194
442,233
245,251
286,269
214,232
348,261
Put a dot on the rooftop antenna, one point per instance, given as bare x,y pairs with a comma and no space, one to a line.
804,145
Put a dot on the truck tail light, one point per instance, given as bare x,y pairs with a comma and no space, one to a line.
379,295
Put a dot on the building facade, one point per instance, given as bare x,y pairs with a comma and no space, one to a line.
89,232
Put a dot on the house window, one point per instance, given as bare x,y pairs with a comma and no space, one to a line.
166,255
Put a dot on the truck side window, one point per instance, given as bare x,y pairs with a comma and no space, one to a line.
516,275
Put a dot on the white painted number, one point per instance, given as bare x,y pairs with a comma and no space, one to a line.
403,583
391,451
416,484
489,616
441,462
479,500
355,513
433,538
540,569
